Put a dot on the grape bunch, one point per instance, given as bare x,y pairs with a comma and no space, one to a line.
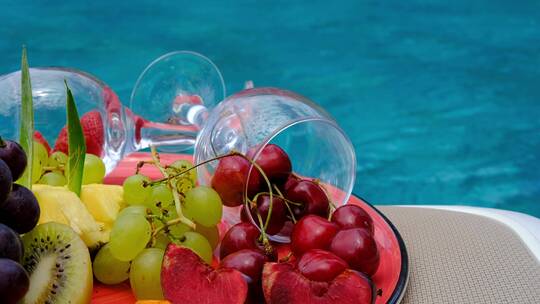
173,209
51,168
19,213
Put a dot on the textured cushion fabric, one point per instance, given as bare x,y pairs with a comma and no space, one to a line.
457,257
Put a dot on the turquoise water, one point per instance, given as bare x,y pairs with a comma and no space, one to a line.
441,101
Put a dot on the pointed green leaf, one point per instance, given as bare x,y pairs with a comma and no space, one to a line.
27,121
77,145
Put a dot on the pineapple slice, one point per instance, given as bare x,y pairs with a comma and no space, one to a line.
58,204
103,201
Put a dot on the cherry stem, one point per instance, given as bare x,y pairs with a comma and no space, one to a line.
277,195
331,204
177,204
169,177
286,258
287,205
246,200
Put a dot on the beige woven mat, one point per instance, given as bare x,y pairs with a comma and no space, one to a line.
463,258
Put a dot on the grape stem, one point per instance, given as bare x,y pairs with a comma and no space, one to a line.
50,168
141,163
166,225
177,204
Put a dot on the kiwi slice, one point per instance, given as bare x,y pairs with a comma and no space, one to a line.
59,266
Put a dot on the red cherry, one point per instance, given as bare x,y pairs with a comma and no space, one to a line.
312,232
287,228
248,261
277,218
358,248
311,196
352,216
320,265
240,236
230,180
274,162
291,181
244,216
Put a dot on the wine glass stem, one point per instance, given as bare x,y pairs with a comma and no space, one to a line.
148,133
160,134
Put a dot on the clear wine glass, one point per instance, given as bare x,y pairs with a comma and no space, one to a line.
253,118
171,95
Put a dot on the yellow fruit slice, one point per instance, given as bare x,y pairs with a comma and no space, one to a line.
60,205
103,201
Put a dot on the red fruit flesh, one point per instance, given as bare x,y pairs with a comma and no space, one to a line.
274,162
186,279
40,139
352,216
240,236
358,248
312,232
320,265
282,284
230,178
92,126
311,196
248,261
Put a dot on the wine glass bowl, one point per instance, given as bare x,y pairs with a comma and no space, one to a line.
251,119
173,84
173,94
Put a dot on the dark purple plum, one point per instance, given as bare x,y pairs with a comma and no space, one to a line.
20,211
14,281
14,156
10,244
5,181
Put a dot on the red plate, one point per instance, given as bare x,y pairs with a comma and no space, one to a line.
390,279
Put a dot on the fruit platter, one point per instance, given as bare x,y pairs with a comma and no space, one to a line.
241,225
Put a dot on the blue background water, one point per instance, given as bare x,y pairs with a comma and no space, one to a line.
441,101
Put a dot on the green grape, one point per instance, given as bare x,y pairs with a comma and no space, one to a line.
210,233
108,269
129,236
37,170
162,194
94,170
40,152
40,158
136,209
198,244
145,274
57,159
203,205
162,241
182,165
176,230
134,191
53,178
